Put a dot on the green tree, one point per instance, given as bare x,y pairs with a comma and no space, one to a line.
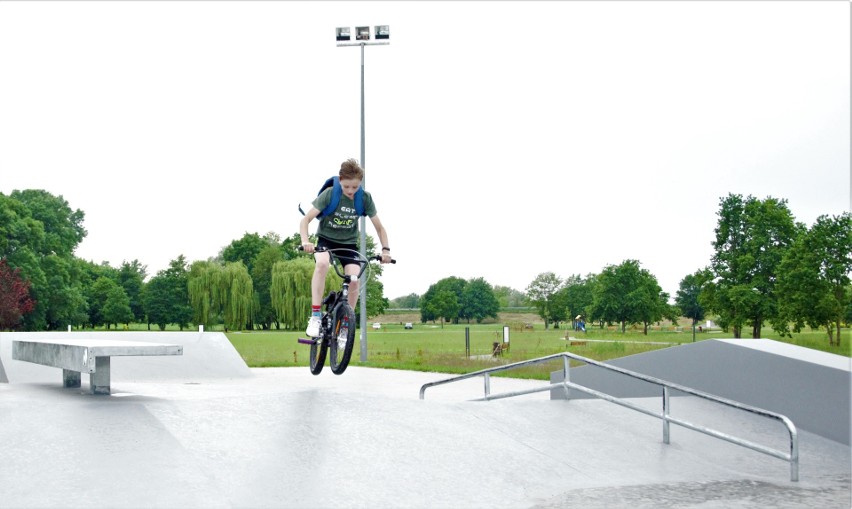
752,236
290,246
542,293
166,297
63,227
444,305
478,300
245,249
18,230
577,295
509,297
452,284
261,276
688,295
157,300
626,294
220,291
36,230
376,301
813,278
235,295
848,316
116,309
99,294
290,291
410,301
131,277
202,280
64,289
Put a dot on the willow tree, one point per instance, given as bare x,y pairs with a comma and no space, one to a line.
236,295
290,291
216,290
202,281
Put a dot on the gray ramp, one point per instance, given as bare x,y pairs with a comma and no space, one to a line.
812,388
287,439
206,356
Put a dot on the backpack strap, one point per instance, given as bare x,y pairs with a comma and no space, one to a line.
359,202
336,193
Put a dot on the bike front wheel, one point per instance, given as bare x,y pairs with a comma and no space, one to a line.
319,349
343,339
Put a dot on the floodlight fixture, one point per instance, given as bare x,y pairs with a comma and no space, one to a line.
362,33
343,34
382,32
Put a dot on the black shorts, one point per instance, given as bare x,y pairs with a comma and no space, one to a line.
340,255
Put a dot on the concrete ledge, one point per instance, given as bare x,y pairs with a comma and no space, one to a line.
80,354
85,355
206,356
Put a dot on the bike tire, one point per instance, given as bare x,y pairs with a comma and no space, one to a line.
339,358
319,349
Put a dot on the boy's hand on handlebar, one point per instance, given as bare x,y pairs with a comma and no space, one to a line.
386,258
308,247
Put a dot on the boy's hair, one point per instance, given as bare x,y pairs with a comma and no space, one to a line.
350,169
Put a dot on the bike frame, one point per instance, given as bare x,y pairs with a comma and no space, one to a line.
337,312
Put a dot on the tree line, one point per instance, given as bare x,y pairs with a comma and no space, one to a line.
257,281
766,269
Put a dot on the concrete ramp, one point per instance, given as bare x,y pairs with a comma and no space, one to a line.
287,439
810,387
206,356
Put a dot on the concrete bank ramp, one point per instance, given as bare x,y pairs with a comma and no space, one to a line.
286,439
810,387
206,356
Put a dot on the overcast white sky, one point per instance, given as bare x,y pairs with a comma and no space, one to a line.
504,139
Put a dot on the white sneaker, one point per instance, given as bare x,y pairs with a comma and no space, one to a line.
313,329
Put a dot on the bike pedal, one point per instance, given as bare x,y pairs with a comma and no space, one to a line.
305,341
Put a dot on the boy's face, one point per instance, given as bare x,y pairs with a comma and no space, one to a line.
350,187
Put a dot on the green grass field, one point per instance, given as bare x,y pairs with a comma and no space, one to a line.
429,347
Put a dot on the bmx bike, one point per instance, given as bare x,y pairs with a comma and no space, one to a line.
337,324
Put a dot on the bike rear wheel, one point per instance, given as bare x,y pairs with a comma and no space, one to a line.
343,338
319,349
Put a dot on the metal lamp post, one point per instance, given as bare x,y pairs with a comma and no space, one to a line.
381,35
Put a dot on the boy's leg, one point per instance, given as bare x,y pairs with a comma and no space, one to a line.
354,286
317,288
318,280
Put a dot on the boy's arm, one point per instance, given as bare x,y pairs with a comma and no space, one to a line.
383,238
303,229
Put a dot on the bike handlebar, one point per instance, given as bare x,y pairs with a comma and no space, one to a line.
319,249
360,260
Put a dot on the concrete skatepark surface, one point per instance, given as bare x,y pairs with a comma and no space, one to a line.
229,436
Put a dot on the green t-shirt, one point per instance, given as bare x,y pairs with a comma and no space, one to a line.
342,225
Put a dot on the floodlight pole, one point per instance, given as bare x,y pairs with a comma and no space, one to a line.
362,288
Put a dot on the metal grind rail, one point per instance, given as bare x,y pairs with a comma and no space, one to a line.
792,457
